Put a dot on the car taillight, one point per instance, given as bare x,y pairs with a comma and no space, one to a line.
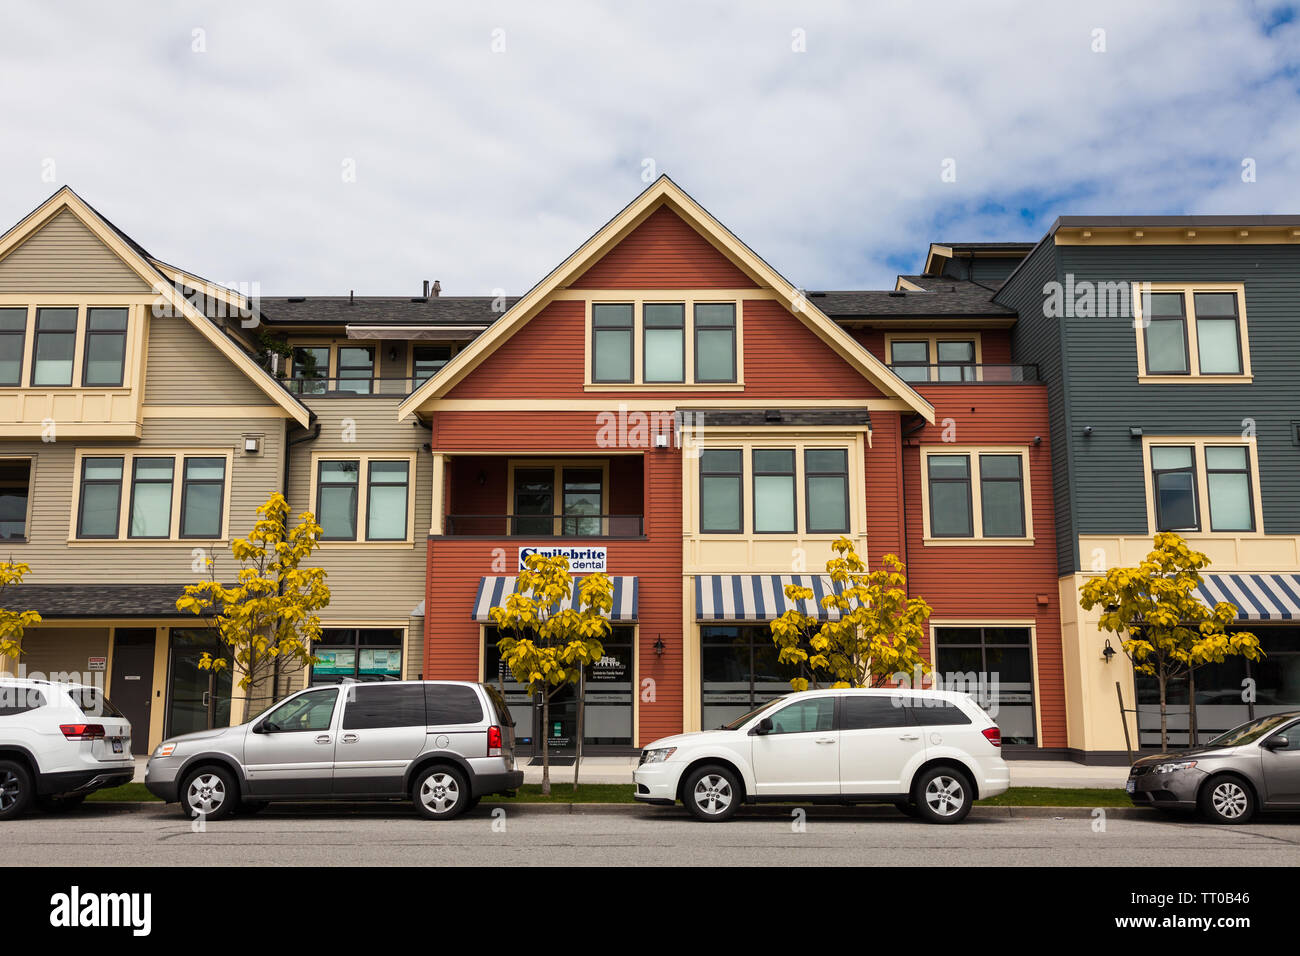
494,741
993,736
83,731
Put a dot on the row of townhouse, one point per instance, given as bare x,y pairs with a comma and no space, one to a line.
666,407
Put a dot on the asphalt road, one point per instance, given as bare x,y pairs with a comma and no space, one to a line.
394,835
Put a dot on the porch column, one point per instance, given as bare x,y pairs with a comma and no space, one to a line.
437,516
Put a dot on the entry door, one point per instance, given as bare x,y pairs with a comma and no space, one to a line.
879,746
197,699
290,751
132,687
801,754
1282,769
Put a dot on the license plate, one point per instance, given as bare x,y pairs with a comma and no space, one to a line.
117,745
1130,786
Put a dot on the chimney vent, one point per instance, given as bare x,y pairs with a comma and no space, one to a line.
425,293
437,288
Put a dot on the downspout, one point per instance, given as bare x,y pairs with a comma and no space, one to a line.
311,435
916,427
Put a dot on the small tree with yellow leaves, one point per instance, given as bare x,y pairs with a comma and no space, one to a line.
546,648
878,633
13,623
268,616
1165,630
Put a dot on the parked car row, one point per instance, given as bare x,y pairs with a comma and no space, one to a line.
446,744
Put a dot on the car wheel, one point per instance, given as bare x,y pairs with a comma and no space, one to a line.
441,793
942,795
250,807
16,789
1227,799
209,792
712,794
907,808
61,804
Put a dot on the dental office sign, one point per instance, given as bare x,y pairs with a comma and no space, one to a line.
581,560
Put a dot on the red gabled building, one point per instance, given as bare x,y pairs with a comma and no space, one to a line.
668,408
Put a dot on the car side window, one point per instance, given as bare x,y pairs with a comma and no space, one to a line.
375,706
16,700
451,704
927,712
863,712
805,716
1292,735
313,710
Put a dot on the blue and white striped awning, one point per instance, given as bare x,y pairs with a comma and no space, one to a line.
758,597
493,590
1259,597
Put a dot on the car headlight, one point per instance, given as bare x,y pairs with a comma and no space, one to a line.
164,750
657,756
1175,767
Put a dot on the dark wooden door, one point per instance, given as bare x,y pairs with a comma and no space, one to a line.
132,688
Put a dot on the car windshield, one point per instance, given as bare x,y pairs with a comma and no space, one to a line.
1250,731
740,721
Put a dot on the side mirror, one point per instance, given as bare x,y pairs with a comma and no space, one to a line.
1276,743
764,726
264,727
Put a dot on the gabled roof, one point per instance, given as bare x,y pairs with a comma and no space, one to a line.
940,298
664,191
470,310
138,260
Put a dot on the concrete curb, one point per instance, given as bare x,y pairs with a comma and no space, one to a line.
769,811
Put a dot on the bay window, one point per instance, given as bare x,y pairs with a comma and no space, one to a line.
774,494
826,476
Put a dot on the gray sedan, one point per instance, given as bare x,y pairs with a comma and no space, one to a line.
1252,767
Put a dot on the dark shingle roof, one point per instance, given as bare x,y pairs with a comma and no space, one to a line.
1010,247
382,310
758,417
96,600
950,297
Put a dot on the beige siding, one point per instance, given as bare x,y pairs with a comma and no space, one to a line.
65,256
413,665
65,650
184,369
53,560
368,584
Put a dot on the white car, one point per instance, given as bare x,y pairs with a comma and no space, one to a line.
58,742
931,753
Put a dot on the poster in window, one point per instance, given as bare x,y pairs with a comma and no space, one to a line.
381,660
336,662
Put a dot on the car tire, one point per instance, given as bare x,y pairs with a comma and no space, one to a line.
1227,799
943,795
441,793
712,794
907,808
16,789
210,792
60,804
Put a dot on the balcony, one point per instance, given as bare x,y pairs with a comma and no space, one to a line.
351,387
966,374
544,526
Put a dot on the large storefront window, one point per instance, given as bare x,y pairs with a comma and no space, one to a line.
198,698
1227,694
607,720
739,671
995,666
365,653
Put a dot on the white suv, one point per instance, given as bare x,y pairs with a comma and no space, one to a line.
58,742
931,753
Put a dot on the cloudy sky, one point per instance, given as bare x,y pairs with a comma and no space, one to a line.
320,147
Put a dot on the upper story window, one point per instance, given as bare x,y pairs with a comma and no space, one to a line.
1200,482
105,360
15,493
356,371
646,343
54,347
139,496
1191,332
63,346
976,494
776,476
427,361
379,512
565,498
934,358
13,339
311,369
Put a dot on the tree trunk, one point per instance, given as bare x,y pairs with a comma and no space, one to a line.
1164,714
1193,731
546,743
582,703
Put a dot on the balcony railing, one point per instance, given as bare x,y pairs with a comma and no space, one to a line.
545,526
965,374
351,387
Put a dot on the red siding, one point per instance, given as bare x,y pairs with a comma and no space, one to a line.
664,252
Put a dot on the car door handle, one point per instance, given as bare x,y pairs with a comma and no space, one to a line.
349,738
826,740
909,737
323,739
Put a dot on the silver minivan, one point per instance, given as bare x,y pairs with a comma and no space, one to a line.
442,744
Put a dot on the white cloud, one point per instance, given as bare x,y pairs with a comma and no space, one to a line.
485,169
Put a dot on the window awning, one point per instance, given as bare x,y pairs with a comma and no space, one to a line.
493,590
1259,597
758,597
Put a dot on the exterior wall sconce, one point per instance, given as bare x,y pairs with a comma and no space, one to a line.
1107,652
659,646
1087,431
1134,431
